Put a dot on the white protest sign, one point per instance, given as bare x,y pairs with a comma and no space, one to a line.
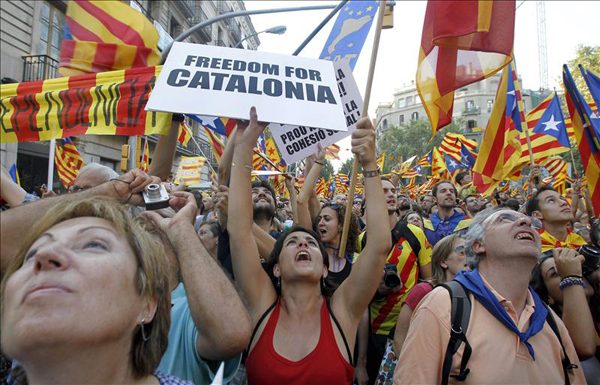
219,81
298,142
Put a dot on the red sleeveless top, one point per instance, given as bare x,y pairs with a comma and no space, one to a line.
325,365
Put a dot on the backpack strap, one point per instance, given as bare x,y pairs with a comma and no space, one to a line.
566,362
459,321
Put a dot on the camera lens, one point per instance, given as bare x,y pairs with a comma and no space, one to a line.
153,190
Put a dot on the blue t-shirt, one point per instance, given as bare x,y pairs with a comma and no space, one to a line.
437,228
181,358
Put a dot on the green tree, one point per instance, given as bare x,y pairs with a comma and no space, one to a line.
327,170
400,143
589,58
347,166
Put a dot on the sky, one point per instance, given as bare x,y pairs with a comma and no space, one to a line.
568,24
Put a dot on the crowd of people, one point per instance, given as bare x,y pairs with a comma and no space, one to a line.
451,288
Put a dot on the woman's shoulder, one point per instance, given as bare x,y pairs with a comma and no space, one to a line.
167,379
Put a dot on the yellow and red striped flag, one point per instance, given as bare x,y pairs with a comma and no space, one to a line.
462,42
145,163
68,161
108,103
452,145
190,170
438,165
185,134
380,161
216,144
500,147
583,126
104,36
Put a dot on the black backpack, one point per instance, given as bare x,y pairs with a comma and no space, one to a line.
459,315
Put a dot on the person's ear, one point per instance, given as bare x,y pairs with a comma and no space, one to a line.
538,215
149,310
276,271
478,247
444,265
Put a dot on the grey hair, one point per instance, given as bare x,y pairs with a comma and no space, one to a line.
105,172
475,234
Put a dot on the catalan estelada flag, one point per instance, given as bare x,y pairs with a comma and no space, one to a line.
593,82
500,148
104,36
463,42
438,165
185,134
452,145
68,161
589,148
222,126
107,103
216,144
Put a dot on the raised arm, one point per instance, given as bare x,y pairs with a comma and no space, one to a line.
226,158
162,157
304,218
289,184
355,293
211,296
19,220
12,193
253,281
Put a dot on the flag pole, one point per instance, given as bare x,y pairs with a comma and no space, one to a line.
51,154
202,152
365,112
573,163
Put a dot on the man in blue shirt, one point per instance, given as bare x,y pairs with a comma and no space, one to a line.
448,219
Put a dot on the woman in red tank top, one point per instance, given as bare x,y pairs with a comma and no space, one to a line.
301,341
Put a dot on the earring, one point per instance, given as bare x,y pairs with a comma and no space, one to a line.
278,282
144,336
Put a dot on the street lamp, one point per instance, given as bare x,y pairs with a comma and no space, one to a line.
278,30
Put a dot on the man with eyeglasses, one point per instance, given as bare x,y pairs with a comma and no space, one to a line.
509,338
553,210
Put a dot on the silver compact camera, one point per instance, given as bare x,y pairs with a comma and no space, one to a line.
156,197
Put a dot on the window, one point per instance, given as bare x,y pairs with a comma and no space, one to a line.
414,116
471,124
401,103
409,100
401,119
385,124
490,104
52,22
470,105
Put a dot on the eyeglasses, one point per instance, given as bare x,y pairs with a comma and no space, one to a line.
505,216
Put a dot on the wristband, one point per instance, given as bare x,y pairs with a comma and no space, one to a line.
371,173
570,281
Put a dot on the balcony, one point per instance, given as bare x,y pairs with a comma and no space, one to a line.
199,17
474,110
39,67
234,29
187,6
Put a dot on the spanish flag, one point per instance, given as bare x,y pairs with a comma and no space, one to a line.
463,42
104,36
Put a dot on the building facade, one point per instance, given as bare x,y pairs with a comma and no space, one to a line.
31,33
472,106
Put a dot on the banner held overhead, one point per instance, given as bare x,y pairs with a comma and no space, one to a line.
203,79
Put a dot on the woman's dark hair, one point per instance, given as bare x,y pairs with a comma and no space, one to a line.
354,230
327,287
537,283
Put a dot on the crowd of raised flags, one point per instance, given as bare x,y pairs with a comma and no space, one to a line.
102,36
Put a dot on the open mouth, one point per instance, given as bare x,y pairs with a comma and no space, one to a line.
524,235
303,256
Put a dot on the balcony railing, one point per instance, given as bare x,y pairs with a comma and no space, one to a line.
472,110
203,33
39,67
188,6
